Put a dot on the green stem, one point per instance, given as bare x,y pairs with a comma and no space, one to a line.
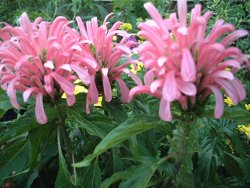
61,128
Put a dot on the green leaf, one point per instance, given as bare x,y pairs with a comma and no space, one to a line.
5,104
14,158
132,126
115,110
63,176
140,176
236,113
114,178
211,155
38,139
91,176
232,166
135,176
22,124
92,128
102,11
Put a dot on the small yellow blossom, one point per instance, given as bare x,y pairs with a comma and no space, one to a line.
99,101
82,89
245,129
228,101
78,89
247,106
77,81
126,26
115,38
139,67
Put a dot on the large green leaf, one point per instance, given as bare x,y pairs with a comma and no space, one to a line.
140,176
91,176
115,177
5,104
235,113
211,155
14,158
135,176
63,178
41,139
22,124
115,110
132,126
102,11
94,127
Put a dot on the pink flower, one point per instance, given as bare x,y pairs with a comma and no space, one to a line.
100,55
35,59
184,64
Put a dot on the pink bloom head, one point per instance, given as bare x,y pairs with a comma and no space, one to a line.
35,59
100,55
184,64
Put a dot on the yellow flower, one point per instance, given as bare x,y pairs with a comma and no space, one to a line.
245,129
136,70
228,101
115,38
78,89
247,106
99,101
82,89
126,26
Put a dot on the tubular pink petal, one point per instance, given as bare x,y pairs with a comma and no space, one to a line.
188,69
165,110
182,12
229,88
107,17
49,64
66,67
218,32
93,91
223,74
149,77
65,84
153,12
123,89
40,113
169,90
136,78
187,88
28,92
25,23
70,99
219,107
83,74
239,87
139,90
11,92
155,85
233,36
106,85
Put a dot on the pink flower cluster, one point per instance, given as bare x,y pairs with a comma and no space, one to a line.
43,59
101,55
185,64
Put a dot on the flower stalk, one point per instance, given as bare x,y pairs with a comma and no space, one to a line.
61,129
